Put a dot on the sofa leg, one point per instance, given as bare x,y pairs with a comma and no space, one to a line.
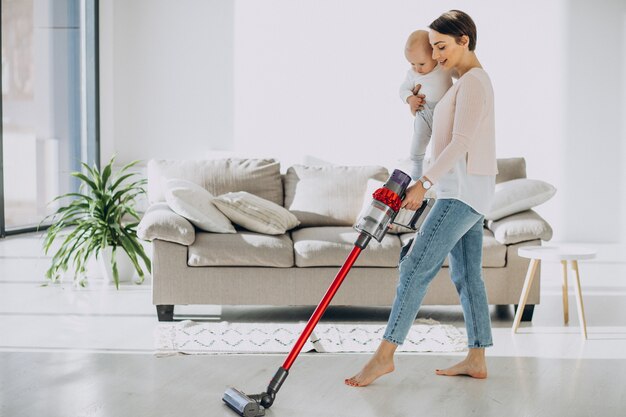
527,314
503,310
165,312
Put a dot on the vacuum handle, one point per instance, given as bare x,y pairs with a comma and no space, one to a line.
412,223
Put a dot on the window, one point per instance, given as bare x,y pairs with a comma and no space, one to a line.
49,105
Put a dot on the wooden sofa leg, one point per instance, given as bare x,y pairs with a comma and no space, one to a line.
527,314
165,312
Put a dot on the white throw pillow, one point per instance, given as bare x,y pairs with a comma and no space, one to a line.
519,195
328,195
520,227
194,203
255,213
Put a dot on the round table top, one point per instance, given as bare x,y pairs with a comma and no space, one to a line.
557,253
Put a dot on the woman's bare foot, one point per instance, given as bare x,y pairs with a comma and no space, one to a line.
380,364
473,365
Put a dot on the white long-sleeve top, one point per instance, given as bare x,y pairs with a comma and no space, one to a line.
434,84
464,142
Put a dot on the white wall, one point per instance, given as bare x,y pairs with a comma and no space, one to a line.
317,80
166,78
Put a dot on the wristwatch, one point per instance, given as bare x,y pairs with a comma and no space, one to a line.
425,183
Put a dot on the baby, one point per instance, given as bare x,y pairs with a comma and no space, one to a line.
434,82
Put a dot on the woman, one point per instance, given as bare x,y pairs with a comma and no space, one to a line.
463,172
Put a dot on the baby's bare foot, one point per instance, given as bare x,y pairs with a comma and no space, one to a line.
475,369
374,369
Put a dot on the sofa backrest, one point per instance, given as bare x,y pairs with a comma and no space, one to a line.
256,176
510,169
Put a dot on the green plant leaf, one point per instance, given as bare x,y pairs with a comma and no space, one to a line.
97,216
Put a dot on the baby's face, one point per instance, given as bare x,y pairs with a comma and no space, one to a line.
421,59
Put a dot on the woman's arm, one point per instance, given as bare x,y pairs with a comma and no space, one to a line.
468,114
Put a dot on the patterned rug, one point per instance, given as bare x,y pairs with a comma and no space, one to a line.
192,338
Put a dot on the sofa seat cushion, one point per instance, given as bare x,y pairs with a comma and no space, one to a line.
494,253
240,249
330,246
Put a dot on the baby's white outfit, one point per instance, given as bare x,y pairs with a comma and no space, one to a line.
434,86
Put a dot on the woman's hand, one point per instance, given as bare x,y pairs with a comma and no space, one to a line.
414,196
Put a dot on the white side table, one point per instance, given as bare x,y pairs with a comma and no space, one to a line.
563,254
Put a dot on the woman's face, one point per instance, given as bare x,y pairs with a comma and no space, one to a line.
446,51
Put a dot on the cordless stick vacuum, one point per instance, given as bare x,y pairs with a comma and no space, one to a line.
374,223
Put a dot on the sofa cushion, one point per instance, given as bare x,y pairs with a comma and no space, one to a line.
518,195
240,249
257,176
255,213
520,227
195,204
160,222
330,246
494,253
328,195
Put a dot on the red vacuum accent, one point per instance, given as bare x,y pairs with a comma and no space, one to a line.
321,308
389,198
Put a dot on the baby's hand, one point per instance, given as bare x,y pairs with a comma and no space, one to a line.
416,101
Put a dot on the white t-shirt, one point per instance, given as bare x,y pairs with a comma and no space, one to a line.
434,84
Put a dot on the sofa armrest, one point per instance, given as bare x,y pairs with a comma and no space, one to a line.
160,222
520,227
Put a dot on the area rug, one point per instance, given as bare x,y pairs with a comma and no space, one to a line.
193,338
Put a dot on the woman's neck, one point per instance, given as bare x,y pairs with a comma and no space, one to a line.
470,61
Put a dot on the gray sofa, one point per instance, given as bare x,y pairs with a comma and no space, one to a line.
190,266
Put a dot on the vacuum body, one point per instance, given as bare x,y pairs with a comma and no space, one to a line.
374,222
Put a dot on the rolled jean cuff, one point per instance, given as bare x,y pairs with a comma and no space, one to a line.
390,340
480,345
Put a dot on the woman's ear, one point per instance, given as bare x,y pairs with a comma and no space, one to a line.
464,40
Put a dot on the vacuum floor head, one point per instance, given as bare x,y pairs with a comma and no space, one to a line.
242,404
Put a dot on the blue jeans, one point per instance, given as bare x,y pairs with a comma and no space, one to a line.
452,227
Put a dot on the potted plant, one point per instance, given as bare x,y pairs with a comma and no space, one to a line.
102,219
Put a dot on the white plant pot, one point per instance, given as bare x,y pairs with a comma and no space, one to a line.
125,267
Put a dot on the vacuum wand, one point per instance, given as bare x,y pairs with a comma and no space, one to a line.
374,222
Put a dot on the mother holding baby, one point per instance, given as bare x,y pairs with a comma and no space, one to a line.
463,174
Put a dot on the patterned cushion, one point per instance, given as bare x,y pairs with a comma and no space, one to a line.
255,213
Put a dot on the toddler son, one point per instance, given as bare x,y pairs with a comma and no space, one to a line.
434,82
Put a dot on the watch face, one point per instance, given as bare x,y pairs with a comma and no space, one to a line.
427,184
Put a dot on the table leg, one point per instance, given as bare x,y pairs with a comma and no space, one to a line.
528,282
565,297
579,300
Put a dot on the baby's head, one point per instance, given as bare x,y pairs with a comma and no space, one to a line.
419,53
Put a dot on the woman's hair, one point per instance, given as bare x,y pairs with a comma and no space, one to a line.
456,23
